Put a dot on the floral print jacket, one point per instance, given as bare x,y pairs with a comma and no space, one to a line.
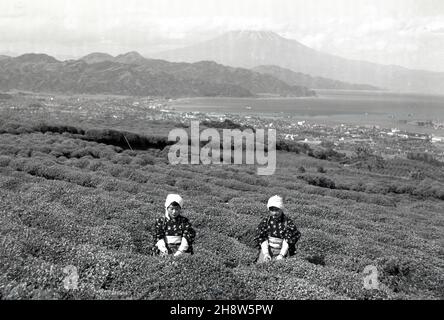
282,227
180,226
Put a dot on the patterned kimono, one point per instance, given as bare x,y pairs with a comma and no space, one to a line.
172,231
276,230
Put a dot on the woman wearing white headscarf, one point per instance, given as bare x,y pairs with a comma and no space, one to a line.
173,233
276,234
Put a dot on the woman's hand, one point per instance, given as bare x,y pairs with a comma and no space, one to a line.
162,247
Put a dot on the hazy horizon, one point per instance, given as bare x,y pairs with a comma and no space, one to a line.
407,33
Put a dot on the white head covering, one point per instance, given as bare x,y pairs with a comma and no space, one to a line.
275,201
172,197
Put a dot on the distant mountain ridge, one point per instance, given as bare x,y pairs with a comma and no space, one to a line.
35,58
249,49
132,57
132,74
301,79
97,57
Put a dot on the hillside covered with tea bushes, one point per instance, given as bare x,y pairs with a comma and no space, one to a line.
68,201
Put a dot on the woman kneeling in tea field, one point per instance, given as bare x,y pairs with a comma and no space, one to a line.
276,234
173,232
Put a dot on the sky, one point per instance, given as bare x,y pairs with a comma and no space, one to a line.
408,33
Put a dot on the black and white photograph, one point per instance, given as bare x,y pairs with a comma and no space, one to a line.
240,151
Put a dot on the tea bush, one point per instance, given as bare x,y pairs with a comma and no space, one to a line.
319,181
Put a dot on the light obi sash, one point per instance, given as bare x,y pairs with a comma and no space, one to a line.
275,243
173,239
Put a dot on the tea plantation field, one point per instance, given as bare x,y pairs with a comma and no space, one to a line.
66,200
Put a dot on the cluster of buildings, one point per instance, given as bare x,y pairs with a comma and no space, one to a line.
387,142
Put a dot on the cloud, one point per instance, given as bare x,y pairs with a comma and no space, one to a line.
378,26
315,41
436,26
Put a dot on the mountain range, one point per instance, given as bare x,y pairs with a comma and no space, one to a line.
288,76
238,64
132,74
249,49
301,79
